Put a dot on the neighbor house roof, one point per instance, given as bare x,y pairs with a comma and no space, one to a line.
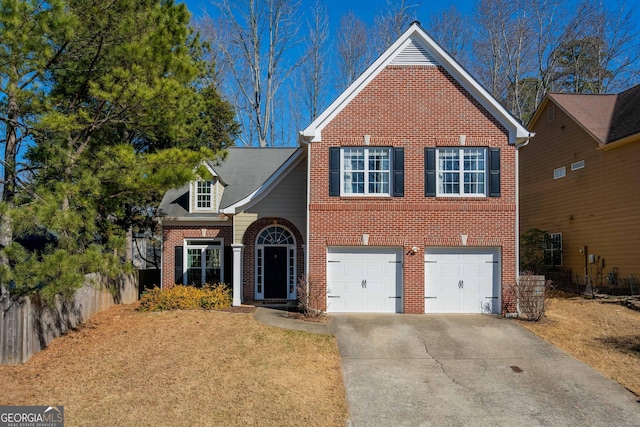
606,117
416,47
244,171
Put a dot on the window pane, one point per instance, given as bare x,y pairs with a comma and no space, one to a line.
354,182
353,159
378,182
474,160
474,183
449,160
449,183
212,268
378,159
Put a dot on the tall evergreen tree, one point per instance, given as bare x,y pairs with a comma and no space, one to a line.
127,114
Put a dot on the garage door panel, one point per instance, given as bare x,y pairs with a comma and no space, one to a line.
369,279
462,280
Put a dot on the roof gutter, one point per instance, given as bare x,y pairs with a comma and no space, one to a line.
619,143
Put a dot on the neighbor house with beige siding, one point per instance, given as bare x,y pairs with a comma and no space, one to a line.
580,182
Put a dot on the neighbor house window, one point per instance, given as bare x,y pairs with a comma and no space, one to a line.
366,171
462,171
551,114
203,260
553,250
559,172
577,165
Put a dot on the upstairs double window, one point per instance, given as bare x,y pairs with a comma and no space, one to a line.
366,171
448,171
462,172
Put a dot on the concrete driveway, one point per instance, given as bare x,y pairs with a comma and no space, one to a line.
475,370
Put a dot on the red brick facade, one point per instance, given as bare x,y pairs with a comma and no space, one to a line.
413,107
249,252
174,235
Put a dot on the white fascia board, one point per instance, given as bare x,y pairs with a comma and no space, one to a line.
213,172
170,220
259,193
313,132
517,132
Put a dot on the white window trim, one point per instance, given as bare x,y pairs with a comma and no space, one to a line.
577,165
560,172
201,244
551,114
212,195
461,172
366,172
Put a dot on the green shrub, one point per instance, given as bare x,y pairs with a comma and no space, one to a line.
180,297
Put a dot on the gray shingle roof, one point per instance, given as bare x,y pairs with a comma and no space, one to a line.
244,170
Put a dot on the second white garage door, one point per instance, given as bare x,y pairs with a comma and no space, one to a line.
364,280
462,280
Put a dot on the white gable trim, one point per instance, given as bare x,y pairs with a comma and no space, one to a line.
263,190
416,35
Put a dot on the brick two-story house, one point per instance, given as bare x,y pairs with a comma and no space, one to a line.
407,185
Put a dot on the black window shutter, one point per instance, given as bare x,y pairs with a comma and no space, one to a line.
430,172
334,171
177,256
227,273
494,172
398,172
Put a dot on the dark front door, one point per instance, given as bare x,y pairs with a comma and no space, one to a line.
275,272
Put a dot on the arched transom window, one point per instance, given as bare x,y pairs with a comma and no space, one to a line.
275,236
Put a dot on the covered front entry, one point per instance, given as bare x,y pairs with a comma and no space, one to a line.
462,280
364,279
275,264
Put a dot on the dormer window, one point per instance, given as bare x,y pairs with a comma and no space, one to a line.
204,195
204,189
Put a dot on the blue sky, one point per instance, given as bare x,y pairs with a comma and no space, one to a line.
365,10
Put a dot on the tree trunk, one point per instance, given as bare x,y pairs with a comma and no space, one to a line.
9,187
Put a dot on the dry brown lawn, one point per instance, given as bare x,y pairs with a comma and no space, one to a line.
183,368
603,335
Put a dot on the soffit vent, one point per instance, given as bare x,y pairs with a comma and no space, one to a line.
414,54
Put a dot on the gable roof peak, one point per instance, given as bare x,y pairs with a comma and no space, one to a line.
413,47
606,117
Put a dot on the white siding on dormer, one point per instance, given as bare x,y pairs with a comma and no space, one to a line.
218,189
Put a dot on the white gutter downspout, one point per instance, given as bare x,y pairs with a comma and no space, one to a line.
518,147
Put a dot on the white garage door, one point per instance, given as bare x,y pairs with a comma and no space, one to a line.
364,280
462,280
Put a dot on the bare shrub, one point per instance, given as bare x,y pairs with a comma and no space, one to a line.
532,295
308,301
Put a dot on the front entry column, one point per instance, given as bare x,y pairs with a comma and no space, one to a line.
237,273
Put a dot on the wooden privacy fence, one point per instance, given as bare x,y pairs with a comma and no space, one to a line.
28,324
